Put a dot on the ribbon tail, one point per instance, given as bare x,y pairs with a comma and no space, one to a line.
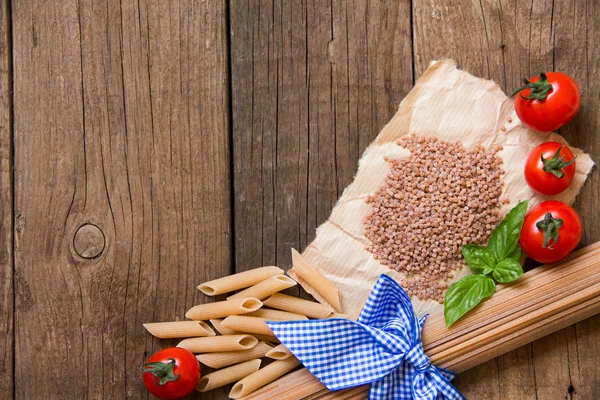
447,374
433,385
422,322
396,385
423,387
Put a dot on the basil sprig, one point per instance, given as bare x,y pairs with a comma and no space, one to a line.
496,262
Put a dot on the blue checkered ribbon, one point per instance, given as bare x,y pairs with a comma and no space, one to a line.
383,348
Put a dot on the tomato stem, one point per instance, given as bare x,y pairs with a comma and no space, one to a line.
539,90
556,163
163,372
550,226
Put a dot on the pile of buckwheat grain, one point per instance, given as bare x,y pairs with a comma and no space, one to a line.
436,200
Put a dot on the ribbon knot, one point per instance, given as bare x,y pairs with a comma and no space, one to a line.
417,357
382,348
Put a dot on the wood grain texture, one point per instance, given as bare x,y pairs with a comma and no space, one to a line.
577,52
6,210
120,121
312,84
473,34
506,41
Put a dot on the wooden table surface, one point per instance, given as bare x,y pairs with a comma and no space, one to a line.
147,146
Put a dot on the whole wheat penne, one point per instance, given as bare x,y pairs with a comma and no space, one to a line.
238,281
316,280
266,338
266,288
179,329
218,325
224,359
219,343
263,377
225,376
241,323
223,309
279,353
276,315
298,306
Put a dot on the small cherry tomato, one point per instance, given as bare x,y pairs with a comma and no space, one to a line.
548,101
551,231
549,169
171,373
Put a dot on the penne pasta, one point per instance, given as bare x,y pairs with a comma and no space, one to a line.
238,281
266,288
279,353
266,338
224,359
298,306
218,343
316,280
218,324
223,309
276,315
263,377
241,323
225,376
179,329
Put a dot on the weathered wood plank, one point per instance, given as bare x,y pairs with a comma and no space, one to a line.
506,41
6,211
516,375
577,52
129,102
312,84
461,33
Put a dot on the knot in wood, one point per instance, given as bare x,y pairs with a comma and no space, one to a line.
89,241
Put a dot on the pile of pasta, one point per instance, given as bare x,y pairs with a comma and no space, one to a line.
239,337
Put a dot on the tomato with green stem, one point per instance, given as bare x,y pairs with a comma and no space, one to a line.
550,168
550,232
171,373
548,101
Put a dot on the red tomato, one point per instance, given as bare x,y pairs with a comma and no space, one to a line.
550,232
171,373
548,101
549,169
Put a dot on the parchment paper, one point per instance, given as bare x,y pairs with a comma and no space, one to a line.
449,104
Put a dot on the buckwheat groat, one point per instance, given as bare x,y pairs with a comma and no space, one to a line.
433,202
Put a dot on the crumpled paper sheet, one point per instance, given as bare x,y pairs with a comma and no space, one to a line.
449,104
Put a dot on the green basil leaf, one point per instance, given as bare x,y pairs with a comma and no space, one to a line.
465,294
487,270
516,253
507,270
478,257
499,241
505,237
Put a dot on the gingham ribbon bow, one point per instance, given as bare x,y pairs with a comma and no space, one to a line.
382,348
